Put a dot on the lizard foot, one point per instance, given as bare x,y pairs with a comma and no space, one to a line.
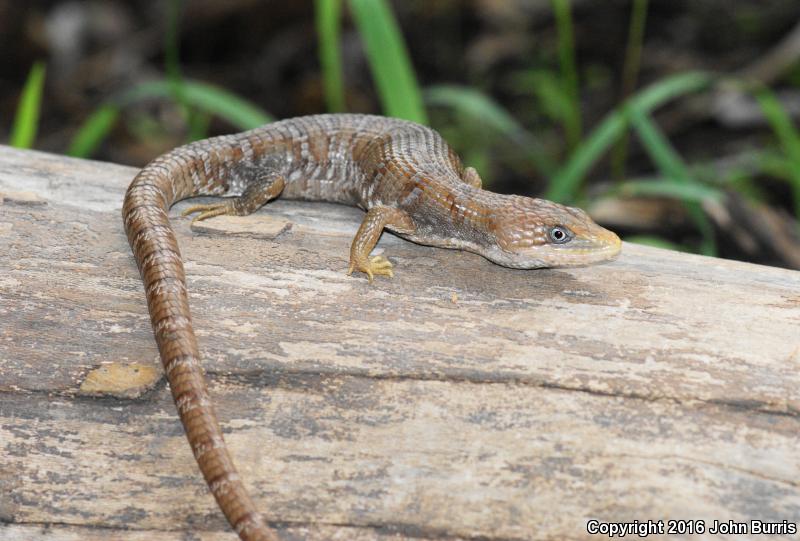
210,210
377,265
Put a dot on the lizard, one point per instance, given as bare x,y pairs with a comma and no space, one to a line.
404,175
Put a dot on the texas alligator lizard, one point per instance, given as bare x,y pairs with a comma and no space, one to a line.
404,175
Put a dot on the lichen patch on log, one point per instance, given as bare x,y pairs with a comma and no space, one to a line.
120,380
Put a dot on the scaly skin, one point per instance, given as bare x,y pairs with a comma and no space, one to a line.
404,175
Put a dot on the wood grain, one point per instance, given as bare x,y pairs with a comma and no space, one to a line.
459,400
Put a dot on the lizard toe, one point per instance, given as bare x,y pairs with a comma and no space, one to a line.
374,266
209,211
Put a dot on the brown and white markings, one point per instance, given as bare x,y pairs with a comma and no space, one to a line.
406,178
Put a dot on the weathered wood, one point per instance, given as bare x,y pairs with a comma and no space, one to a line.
457,400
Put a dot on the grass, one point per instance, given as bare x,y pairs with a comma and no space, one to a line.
494,132
676,174
569,71
482,109
388,60
93,131
198,101
26,121
206,97
209,100
692,192
328,15
566,183
788,138
630,75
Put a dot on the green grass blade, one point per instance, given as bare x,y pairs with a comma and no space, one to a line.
208,99
673,167
236,110
691,193
211,99
93,131
564,185
489,113
26,121
633,49
788,137
388,60
549,90
630,74
328,14
476,104
775,164
670,88
199,122
781,123
172,68
569,70
659,148
171,41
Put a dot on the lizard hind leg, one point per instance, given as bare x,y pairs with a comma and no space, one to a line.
258,192
368,234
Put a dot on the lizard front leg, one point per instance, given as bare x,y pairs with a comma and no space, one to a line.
264,187
368,234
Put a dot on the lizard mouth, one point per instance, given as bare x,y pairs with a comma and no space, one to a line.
598,247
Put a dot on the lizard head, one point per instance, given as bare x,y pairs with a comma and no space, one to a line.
534,233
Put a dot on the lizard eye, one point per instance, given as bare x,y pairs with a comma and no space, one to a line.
560,235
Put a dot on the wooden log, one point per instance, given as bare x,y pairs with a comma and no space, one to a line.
459,400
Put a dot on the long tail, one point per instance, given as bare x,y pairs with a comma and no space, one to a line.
187,171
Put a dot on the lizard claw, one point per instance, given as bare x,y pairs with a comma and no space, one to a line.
377,265
208,211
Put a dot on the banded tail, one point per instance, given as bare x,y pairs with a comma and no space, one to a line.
188,171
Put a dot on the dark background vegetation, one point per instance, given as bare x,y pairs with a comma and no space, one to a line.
544,97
